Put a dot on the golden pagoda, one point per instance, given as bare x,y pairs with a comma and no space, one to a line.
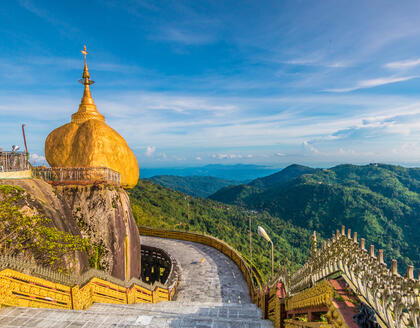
87,141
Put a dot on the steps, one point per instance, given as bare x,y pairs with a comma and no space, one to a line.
174,314
161,315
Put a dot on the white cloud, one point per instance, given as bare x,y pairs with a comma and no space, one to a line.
316,62
309,148
373,83
346,152
198,158
403,64
337,64
302,61
231,156
227,156
150,150
37,159
185,36
182,104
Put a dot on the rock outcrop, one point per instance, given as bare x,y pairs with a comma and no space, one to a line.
101,213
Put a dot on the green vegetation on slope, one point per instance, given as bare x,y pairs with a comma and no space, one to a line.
157,206
380,202
33,236
197,186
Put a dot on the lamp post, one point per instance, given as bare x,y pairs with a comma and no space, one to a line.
264,234
188,208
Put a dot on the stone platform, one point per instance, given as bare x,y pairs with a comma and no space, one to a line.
212,294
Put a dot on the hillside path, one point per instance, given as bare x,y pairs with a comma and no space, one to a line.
212,294
216,280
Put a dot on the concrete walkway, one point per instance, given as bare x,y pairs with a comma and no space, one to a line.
212,294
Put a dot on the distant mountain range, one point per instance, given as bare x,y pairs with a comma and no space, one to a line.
381,202
238,172
197,186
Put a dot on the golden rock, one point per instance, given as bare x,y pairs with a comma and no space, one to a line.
87,141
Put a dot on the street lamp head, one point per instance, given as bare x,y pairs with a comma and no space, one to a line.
263,234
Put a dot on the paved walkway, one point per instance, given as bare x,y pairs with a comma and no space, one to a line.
212,294
215,280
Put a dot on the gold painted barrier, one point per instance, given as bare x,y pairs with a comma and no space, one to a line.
23,174
19,289
319,295
77,175
27,285
273,307
289,323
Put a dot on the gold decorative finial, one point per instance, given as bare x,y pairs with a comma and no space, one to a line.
84,51
87,108
86,76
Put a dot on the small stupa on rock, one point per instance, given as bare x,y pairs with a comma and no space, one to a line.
87,141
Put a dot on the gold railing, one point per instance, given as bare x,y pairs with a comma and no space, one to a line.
77,175
25,284
395,299
274,306
290,323
319,295
251,274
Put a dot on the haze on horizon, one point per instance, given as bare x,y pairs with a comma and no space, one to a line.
195,83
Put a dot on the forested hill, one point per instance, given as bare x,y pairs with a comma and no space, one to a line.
198,186
381,202
157,206
287,174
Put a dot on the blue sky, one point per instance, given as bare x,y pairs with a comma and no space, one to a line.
197,82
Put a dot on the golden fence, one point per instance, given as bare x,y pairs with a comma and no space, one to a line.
289,323
319,295
77,175
394,298
273,307
23,283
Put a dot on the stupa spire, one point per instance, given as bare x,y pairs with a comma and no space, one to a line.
87,108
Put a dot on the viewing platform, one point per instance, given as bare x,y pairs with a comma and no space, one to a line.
77,175
14,165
